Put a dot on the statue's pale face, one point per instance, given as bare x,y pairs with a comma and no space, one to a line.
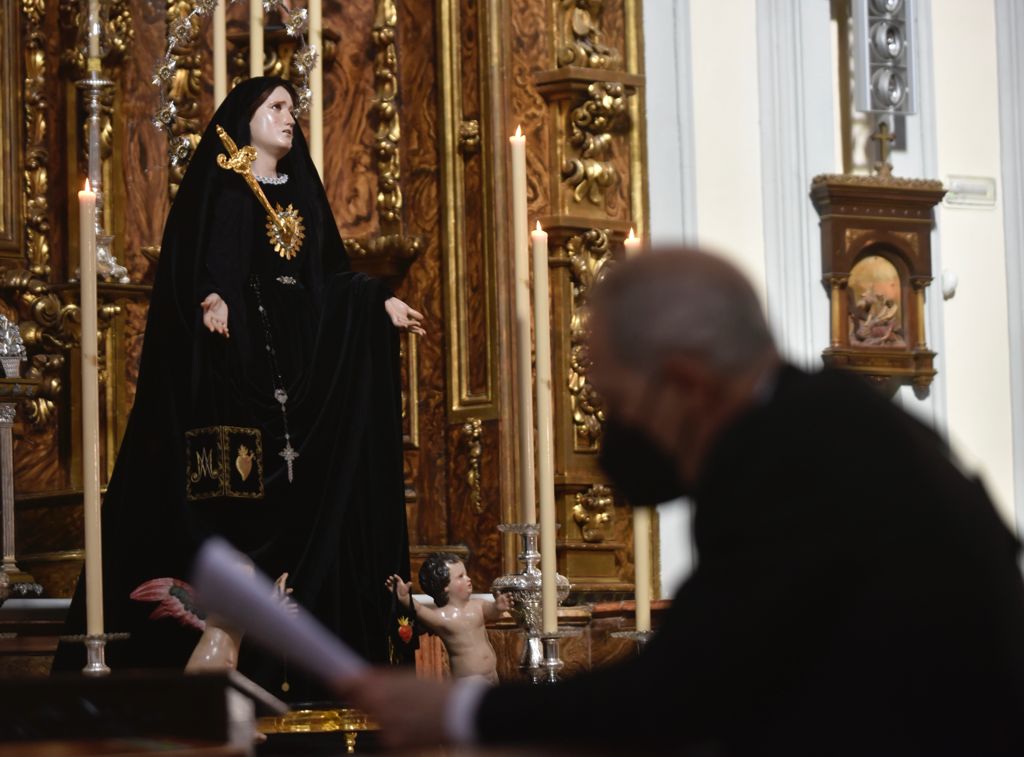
460,585
272,125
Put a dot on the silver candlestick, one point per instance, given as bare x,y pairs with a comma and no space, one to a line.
95,651
639,637
551,663
524,588
93,87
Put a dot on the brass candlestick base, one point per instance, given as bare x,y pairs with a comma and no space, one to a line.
95,651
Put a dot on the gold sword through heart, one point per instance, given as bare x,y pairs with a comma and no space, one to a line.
284,225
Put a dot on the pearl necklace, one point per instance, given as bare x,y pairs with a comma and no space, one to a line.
281,178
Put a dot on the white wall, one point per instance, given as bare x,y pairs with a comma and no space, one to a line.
718,110
976,321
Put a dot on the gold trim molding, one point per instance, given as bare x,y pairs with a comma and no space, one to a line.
37,154
460,143
472,432
385,109
885,182
589,254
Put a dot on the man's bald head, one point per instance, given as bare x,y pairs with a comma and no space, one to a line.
680,300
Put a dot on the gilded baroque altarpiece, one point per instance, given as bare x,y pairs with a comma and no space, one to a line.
420,97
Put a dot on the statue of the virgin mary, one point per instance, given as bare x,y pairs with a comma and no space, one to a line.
267,407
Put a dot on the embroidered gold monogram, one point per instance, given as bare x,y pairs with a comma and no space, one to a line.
285,228
224,461
206,466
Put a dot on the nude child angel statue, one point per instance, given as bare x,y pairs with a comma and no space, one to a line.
458,619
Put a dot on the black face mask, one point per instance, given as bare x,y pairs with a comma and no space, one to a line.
637,467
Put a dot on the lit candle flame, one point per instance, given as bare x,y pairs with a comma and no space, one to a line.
538,226
632,234
519,131
88,187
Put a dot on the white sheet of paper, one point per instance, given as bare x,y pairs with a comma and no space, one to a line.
248,601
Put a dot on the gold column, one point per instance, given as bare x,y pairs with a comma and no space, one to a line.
597,190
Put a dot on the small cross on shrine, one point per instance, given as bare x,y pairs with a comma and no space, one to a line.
884,137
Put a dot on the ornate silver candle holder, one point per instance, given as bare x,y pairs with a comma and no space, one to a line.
12,348
524,588
94,87
95,651
551,662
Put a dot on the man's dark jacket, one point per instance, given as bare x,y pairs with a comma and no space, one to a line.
856,594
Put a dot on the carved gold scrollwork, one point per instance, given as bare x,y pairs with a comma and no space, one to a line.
185,89
592,125
118,33
385,111
592,512
581,40
472,431
37,157
47,327
589,255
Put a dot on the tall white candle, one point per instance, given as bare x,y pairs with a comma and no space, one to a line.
524,368
94,27
641,519
642,566
220,53
316,83
545,432
90,412
255,38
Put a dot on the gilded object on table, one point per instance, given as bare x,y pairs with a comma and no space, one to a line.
593,511
592,125
472,430
581,36
37,156
589,255
285,228
347,721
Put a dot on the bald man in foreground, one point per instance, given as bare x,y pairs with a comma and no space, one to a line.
855,593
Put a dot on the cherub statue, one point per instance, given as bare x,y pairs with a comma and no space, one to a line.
458,619
218,646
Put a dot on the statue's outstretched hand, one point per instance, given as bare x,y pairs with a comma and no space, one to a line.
503,601
404,588
215,314
404,317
